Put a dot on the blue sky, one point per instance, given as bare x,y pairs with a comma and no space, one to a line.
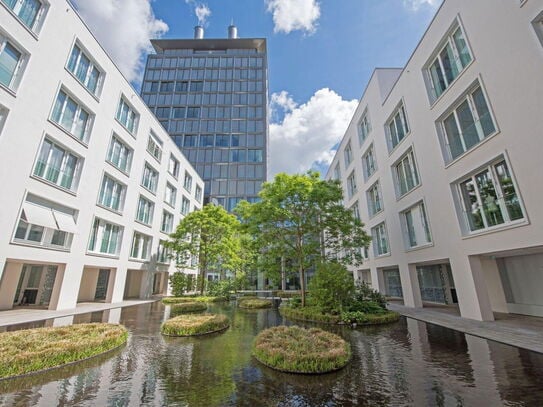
321,54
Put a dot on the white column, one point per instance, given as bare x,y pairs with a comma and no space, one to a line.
8,284
410,286
118,284
69,282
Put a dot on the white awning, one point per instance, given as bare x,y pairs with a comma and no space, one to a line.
65,222
38,215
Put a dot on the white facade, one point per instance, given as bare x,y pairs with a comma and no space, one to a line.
444,160
92,183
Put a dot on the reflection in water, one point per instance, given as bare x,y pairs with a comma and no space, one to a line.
406,363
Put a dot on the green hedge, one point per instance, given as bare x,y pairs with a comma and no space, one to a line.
190,325
254,303
32,350
361,318
310,314
179,300
297,350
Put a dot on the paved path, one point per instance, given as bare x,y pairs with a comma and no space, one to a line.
25,315
516,330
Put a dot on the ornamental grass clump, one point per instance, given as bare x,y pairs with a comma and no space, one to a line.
187,307
298,350
192,325
255,303
31,350
179,300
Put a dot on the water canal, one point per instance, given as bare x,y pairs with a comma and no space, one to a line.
402,364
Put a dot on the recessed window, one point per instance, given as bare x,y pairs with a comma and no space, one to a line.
415,226
141,246
537,23
490,198
127,116
166,86
149,179
364,127
369,164
198,193
355,211
170,194
406,174
173,166
450,61
106,237
469,123
166,224
348,154
145,211
164,253
72,116
119,154
11,62
46,224
28,11
112,193
380,240
85,70
154,147
337,172
375,201
351,185
58,165
185,206
397,127
187,183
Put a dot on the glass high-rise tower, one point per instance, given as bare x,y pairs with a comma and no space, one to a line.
211,95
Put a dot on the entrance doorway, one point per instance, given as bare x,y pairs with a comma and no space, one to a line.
35,285
393,283
437,284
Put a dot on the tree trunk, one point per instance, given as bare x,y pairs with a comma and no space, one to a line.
283,274
302,283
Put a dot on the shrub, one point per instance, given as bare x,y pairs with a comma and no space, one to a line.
190,325
187,307
366,307
362,318
332,287
181,283
288,294
32,350
191,298
310,314
254,303
220,288
364,292
298,350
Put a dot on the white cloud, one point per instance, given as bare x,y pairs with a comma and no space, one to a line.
201,10
308,132
291,15
416,4
124,28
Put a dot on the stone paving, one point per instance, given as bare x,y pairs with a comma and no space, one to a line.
517,330
22,315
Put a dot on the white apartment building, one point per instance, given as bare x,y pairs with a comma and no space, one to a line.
441,163
92,183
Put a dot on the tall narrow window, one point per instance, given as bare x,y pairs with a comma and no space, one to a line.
28,11
198,193
10,61
369,164
105,237
72,116
166,224
337,172
406,174
375,202
468,124
154,147
380,240
415,226
127,116
145,211
173,166
449,62
187,184
58,165
112,193
170,195
351,185
119,154
141,246
348,154
85,70
489,198
364,128
185,206
149,179
397,127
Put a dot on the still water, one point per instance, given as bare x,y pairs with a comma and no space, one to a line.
408,363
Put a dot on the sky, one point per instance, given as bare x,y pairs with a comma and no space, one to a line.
321,54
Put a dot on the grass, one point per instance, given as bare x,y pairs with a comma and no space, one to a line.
190,325
254,303
298,350
179,300
288,293
362,319
310,314
186,307
32,350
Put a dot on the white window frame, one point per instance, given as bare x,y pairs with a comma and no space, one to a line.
352,187
398,118
170,195
115,139
378,233
185,205
100,233
419,228
119,188
187,182
145,211
166,223
374,197
92,65
173,166
407,160
80,107
153,178
38,21
198,193
144,246
537,23
17,73
130,111
66,153
348,154
163,253
364,127
369,166
154,146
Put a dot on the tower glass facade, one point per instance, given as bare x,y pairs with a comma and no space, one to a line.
211,96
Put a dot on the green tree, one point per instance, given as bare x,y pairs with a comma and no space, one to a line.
211,235
332,288
301,218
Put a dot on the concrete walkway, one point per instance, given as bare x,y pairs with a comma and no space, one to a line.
22,315
516,330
